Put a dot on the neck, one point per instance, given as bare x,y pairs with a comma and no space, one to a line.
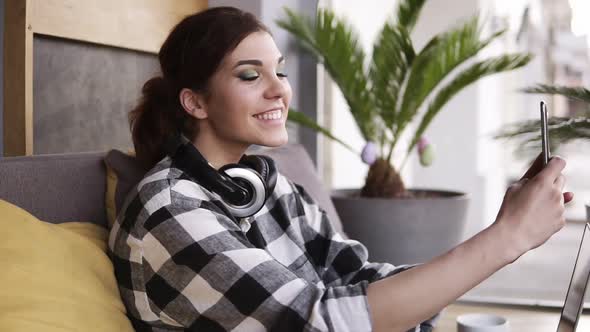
217,152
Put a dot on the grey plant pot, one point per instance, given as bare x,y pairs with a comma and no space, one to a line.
403,231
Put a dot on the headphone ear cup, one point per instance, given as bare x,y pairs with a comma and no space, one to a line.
266,167
252,182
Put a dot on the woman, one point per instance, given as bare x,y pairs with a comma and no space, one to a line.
183,260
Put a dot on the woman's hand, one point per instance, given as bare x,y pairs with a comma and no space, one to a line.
532,210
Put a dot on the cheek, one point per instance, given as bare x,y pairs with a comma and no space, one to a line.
244,98
232,106
240,104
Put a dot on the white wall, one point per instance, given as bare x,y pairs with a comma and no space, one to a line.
455,131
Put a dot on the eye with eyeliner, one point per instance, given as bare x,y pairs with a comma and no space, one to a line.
282,73
251,75
248,75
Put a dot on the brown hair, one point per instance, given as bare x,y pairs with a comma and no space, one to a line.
188,58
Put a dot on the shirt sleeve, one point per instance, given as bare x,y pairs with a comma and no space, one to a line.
341,261
202,273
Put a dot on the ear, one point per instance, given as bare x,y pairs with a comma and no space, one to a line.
193,103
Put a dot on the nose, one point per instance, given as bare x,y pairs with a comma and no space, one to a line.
277,87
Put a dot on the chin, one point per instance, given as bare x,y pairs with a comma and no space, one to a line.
275,142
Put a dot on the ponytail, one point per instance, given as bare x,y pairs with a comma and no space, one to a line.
157,116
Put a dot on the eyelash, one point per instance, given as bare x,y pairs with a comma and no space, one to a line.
249,78
252,78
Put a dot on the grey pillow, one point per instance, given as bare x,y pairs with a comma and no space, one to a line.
128,171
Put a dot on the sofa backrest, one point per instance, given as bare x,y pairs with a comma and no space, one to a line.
71,187
56,188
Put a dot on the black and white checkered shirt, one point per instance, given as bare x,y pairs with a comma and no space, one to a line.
184,263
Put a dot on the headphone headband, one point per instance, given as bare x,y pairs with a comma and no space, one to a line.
243,187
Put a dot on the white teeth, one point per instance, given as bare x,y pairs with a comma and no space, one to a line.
273,115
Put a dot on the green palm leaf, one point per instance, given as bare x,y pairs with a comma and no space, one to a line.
561,130
385,95
335,44
578,93
462,80
304,120
408,12
393,53
435,62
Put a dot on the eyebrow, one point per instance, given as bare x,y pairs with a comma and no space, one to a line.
255,62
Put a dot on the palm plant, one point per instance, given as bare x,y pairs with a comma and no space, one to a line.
398,85
560,129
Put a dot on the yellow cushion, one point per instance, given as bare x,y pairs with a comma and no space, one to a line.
123,172
56,277
109,200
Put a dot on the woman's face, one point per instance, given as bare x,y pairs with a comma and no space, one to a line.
249,95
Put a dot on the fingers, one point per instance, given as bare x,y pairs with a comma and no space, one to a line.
553,169
560,182
568,197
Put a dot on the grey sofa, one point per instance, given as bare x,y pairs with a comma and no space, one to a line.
71,187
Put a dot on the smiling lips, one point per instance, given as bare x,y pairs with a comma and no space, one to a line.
275,114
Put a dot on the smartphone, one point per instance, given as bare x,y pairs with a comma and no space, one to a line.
544,135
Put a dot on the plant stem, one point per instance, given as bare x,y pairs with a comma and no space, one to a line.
403,163
395,139
382,143
390,152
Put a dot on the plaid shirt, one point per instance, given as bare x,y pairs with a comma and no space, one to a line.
184,263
